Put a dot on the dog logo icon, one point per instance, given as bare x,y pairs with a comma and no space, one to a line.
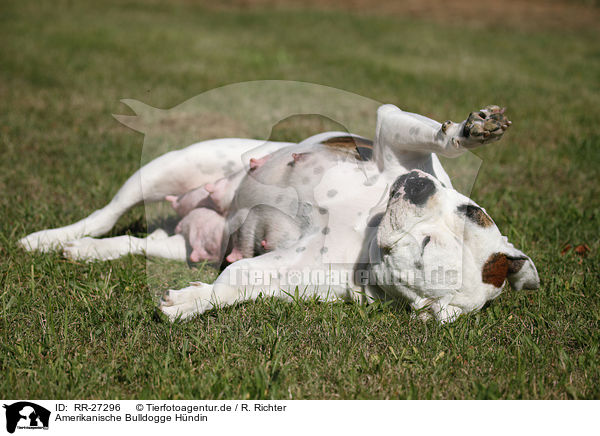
26,415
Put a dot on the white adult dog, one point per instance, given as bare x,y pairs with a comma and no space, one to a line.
376,220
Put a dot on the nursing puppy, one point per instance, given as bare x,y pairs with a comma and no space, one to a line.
374,220
203,229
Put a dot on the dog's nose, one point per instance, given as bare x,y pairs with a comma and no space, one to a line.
417,187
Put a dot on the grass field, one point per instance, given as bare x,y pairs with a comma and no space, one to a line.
71,330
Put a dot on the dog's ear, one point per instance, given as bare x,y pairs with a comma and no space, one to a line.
511,264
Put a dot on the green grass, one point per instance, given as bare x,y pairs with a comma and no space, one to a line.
70,330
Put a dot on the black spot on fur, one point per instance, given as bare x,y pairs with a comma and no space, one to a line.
417,189
322,210
515,265
300,249
325,230
426,240
331,193
475,214
324,250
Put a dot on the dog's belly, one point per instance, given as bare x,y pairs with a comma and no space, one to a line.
329,192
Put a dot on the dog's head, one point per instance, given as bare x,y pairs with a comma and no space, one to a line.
452,247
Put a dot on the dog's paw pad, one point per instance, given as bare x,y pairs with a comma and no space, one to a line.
485,125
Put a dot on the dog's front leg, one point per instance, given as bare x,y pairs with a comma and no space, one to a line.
399,133
276,274
241,281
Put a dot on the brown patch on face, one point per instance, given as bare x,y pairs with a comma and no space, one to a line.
476,214
495,269
361,146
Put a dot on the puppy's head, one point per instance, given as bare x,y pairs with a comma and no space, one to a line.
449,243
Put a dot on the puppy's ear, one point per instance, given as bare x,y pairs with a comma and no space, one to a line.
513,265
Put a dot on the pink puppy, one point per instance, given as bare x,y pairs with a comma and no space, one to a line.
222,191
203,229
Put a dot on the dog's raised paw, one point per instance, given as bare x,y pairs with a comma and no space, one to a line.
485,125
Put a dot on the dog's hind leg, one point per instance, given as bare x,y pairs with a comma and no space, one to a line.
158,244
173,173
